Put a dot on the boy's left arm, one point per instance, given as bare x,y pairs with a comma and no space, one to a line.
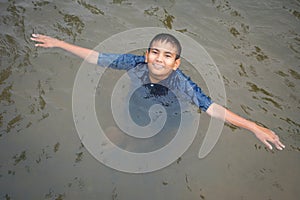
263,134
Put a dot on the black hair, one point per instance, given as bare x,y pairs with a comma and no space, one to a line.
165,37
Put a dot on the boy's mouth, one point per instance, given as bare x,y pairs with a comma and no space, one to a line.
157,66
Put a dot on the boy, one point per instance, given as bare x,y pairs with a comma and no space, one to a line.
159,66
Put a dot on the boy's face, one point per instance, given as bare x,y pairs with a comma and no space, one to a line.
161,59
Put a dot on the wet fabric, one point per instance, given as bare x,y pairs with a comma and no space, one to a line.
137,70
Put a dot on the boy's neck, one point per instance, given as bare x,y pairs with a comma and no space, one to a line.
157,79
153,80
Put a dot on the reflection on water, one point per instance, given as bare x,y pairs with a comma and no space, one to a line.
255,44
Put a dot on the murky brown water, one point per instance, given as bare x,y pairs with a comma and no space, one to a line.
256,46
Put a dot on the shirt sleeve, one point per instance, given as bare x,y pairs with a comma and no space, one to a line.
193,92
119,61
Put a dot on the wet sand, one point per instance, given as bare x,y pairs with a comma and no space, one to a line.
256,46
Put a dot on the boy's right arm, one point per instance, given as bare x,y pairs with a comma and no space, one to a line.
48,42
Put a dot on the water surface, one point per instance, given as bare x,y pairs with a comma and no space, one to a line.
256,46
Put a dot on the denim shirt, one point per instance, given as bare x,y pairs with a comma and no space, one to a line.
137,69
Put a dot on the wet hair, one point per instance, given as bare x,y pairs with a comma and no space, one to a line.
168,38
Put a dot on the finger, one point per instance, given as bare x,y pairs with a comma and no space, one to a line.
279,145
268,145
282,145
37,35
33,38
37,39
43,36
276,137
41,45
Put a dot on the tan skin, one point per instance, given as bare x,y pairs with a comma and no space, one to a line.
161,60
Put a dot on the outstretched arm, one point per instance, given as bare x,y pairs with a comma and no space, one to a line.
263,134
48,42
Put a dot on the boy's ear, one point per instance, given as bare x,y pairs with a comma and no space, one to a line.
146,56
177,63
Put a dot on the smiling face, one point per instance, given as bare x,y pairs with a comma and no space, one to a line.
161,60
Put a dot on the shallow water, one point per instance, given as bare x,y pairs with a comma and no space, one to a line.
256,46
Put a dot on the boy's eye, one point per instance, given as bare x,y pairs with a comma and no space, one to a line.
153,50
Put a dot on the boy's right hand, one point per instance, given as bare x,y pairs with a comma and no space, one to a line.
45,41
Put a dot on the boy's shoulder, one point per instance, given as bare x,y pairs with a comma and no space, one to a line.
120,61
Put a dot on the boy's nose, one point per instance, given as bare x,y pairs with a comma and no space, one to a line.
159,57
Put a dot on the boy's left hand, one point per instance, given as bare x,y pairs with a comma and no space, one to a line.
266,135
